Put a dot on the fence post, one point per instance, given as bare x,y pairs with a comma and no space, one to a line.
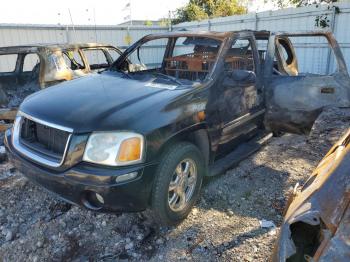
329,55
256,21
209,25
67,35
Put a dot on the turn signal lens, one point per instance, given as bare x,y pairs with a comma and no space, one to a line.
130,150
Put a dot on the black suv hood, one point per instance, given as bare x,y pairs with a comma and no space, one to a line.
99,102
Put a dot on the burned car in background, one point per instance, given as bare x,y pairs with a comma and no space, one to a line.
174,107
316,226
27,69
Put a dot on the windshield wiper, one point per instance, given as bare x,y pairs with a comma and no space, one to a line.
169,77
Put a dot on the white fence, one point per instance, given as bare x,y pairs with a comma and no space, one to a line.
11,35
313,56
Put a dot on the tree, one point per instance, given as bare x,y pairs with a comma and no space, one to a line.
148,23
321,21
164,22
197,10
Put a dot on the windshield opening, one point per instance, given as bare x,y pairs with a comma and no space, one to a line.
179,60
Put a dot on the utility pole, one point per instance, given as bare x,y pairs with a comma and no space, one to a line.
169,21
128,7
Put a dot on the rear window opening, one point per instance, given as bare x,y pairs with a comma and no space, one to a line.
30,69
8,63
96,58
31,63
73,60
312,55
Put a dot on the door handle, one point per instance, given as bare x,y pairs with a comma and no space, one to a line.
327,90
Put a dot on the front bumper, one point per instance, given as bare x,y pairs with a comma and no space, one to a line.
76,183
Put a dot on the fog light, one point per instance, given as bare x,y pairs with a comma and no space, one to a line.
92,200
126,177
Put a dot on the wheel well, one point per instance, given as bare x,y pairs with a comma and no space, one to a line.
199,138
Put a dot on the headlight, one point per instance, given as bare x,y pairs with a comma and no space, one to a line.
114,148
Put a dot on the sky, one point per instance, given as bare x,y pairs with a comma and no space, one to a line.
107,12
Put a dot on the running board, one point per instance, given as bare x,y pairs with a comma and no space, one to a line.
240,153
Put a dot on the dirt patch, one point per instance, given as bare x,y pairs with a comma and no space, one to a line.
224,225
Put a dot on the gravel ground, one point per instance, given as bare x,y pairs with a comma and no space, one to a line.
224,225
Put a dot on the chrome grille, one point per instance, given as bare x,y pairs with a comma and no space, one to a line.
41,141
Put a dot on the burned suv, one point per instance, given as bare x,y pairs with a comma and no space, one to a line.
27,69
174,108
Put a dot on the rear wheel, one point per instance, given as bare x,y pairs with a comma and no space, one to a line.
177,183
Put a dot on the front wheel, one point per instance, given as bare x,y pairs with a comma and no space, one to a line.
177,183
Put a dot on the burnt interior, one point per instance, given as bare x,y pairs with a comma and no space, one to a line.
191,58
17,84
45,140
198,64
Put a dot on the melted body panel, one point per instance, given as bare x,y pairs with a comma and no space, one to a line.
294,100
323,203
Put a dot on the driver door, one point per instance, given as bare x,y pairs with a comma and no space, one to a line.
241,111
296,94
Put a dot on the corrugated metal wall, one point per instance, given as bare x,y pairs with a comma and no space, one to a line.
11,35
312,55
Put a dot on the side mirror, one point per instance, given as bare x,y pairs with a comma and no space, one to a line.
242,76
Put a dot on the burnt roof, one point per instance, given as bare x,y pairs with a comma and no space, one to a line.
262,34
209,34
51,46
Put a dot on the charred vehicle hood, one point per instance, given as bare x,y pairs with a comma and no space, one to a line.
100,102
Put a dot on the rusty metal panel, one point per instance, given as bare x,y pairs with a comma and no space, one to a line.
312,208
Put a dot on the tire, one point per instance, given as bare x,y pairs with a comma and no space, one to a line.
165,209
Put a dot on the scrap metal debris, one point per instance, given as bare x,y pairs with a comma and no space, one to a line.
266,224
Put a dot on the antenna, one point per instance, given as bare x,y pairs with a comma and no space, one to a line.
128,7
